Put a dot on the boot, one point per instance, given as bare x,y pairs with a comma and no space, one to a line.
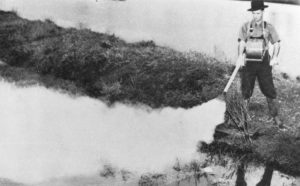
273,110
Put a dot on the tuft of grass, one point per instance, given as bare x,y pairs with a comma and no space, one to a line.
237,113
108,171
152,179
125,174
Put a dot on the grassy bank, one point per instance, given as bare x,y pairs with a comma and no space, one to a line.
281,148
106,67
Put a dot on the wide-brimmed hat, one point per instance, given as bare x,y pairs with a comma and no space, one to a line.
257,5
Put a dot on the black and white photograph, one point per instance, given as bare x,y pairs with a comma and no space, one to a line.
149,93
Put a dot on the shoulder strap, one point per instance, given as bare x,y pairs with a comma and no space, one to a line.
264,27
249,27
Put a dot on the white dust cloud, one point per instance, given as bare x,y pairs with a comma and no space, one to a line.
45,134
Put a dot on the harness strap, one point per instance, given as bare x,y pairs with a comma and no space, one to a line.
250,29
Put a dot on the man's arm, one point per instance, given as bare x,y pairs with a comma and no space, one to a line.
241,48
276,49
274,57
275,41
242,45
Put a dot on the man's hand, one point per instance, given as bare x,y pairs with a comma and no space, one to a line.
240,61
274,61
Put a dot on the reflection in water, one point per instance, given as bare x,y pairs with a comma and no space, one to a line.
240,175
267,177
44,134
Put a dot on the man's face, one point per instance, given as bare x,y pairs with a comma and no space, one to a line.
257,15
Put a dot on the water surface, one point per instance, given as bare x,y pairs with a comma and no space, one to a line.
45,134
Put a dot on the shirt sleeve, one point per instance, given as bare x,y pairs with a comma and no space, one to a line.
273,36
243,33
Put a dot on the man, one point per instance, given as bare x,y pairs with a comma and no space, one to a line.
255,60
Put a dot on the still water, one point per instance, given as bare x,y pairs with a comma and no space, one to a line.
46,134
210,26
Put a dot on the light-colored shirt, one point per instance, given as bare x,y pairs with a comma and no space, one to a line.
270,35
